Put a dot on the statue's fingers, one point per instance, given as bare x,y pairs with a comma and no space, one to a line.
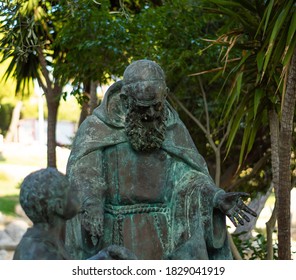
249,210
231,218
245,217
236,209
239,219
245,208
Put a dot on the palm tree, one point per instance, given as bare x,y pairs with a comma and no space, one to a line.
261,36
29,31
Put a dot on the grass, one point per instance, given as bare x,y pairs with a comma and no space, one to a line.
9,193
8,203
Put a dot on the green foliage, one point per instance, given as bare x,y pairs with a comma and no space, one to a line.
29,29
172,35
261,35
18,44
280,32
99,41
93,40
254,248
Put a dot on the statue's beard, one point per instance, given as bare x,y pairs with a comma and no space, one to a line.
145,136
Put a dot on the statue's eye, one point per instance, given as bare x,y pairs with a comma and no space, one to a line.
141,109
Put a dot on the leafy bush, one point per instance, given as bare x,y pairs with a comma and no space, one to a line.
254,248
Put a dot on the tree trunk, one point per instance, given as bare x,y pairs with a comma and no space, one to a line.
83,113
52,93
275,165
218,166
85,109
90,92
93,102
270,225
52,105
286,128
12,130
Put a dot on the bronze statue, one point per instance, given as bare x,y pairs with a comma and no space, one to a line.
141,182
48,201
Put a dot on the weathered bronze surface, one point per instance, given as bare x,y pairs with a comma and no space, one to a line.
48,201
141,182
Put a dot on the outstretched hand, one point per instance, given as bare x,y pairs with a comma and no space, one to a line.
234,208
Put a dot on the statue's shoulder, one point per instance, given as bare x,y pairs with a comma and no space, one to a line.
174,123
90,126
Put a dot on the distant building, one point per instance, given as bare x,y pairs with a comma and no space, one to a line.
29,132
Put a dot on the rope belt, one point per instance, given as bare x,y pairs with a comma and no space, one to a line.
119,211
135,209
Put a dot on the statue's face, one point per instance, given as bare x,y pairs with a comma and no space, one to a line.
149,113
145,121
147,98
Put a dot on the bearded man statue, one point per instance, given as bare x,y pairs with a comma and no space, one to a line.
141,181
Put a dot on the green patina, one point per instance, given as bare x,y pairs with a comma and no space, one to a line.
141,182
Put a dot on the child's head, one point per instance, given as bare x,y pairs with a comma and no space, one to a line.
46,193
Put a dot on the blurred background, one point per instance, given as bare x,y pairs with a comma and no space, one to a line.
231,70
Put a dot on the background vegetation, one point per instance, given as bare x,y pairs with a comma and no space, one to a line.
230,67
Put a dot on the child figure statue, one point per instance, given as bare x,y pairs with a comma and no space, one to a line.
48,201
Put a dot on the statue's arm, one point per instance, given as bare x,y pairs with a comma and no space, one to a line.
86,178
229,203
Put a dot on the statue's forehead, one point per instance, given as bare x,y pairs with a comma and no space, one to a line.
147,92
